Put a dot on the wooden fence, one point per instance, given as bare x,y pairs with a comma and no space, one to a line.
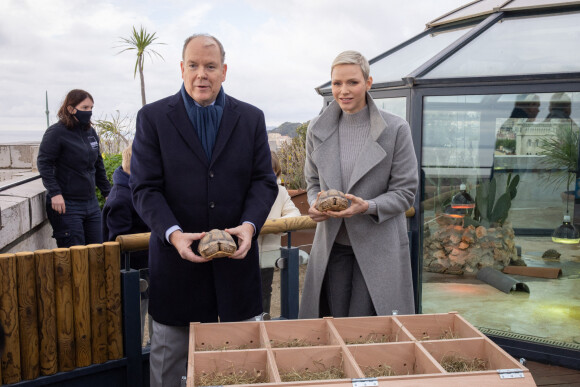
61,309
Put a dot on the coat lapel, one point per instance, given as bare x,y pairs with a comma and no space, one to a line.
372,152
327,156
177,115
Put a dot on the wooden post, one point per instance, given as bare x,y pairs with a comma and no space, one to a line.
28,315
9,319
46,311
81,305
64,309
114,312
98,303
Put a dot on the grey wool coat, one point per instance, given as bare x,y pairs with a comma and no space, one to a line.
385,172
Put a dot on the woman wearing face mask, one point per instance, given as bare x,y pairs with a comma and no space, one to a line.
70,164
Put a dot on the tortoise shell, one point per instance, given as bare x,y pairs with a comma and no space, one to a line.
216,244
331,200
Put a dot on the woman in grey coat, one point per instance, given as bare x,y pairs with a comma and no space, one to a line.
359,263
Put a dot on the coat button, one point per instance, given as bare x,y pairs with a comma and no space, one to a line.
211,204
211,174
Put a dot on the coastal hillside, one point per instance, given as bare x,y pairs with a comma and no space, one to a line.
287,129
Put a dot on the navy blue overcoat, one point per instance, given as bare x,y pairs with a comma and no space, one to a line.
173,183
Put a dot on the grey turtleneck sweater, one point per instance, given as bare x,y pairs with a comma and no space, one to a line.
353,131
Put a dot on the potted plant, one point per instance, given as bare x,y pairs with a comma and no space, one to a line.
560,153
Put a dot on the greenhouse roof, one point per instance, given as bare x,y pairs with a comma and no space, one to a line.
486,39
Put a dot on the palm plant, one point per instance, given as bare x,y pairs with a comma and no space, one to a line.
140,42
560,153
115,134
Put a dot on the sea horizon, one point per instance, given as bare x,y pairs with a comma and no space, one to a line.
17,136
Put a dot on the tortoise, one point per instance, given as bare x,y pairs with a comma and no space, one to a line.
216,244
331,200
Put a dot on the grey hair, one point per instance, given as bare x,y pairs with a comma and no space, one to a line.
219,44
353,57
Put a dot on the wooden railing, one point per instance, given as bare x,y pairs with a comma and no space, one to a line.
60,309
136,242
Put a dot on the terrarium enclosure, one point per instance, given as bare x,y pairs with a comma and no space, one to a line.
438,349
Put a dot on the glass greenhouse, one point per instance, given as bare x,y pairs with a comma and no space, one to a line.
492,94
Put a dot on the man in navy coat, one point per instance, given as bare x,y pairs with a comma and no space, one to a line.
201,161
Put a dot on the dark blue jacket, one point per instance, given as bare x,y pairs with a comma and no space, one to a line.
120,217
173,183
70,163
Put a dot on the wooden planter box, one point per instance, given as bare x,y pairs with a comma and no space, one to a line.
390,350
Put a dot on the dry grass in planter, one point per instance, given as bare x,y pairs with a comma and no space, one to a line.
447,334
453,363
373,337
378,371
231,376
225,347
304,375
291,343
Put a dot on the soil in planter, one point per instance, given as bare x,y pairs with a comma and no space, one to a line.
373,337
229,377
453,363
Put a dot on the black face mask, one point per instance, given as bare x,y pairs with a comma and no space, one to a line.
84,117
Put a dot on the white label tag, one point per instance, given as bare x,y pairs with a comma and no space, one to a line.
513,373
365,382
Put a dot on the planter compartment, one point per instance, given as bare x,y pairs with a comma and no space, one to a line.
369,330
304,362
227,336
492,357
448,326
247,353
300,333
227,367
398,358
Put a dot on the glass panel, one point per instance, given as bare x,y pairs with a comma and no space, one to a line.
535,3
529,141
396,106
400,63
518,46
481,7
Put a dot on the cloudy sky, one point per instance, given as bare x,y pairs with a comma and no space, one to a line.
277,51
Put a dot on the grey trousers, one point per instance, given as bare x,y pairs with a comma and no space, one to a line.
344,286
168,356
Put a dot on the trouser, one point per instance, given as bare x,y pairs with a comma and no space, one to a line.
168,355
267,274
344,286
79,225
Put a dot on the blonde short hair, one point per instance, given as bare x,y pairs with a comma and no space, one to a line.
353,57
126,164
276,164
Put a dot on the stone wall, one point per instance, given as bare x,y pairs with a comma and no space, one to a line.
23,222
23,215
